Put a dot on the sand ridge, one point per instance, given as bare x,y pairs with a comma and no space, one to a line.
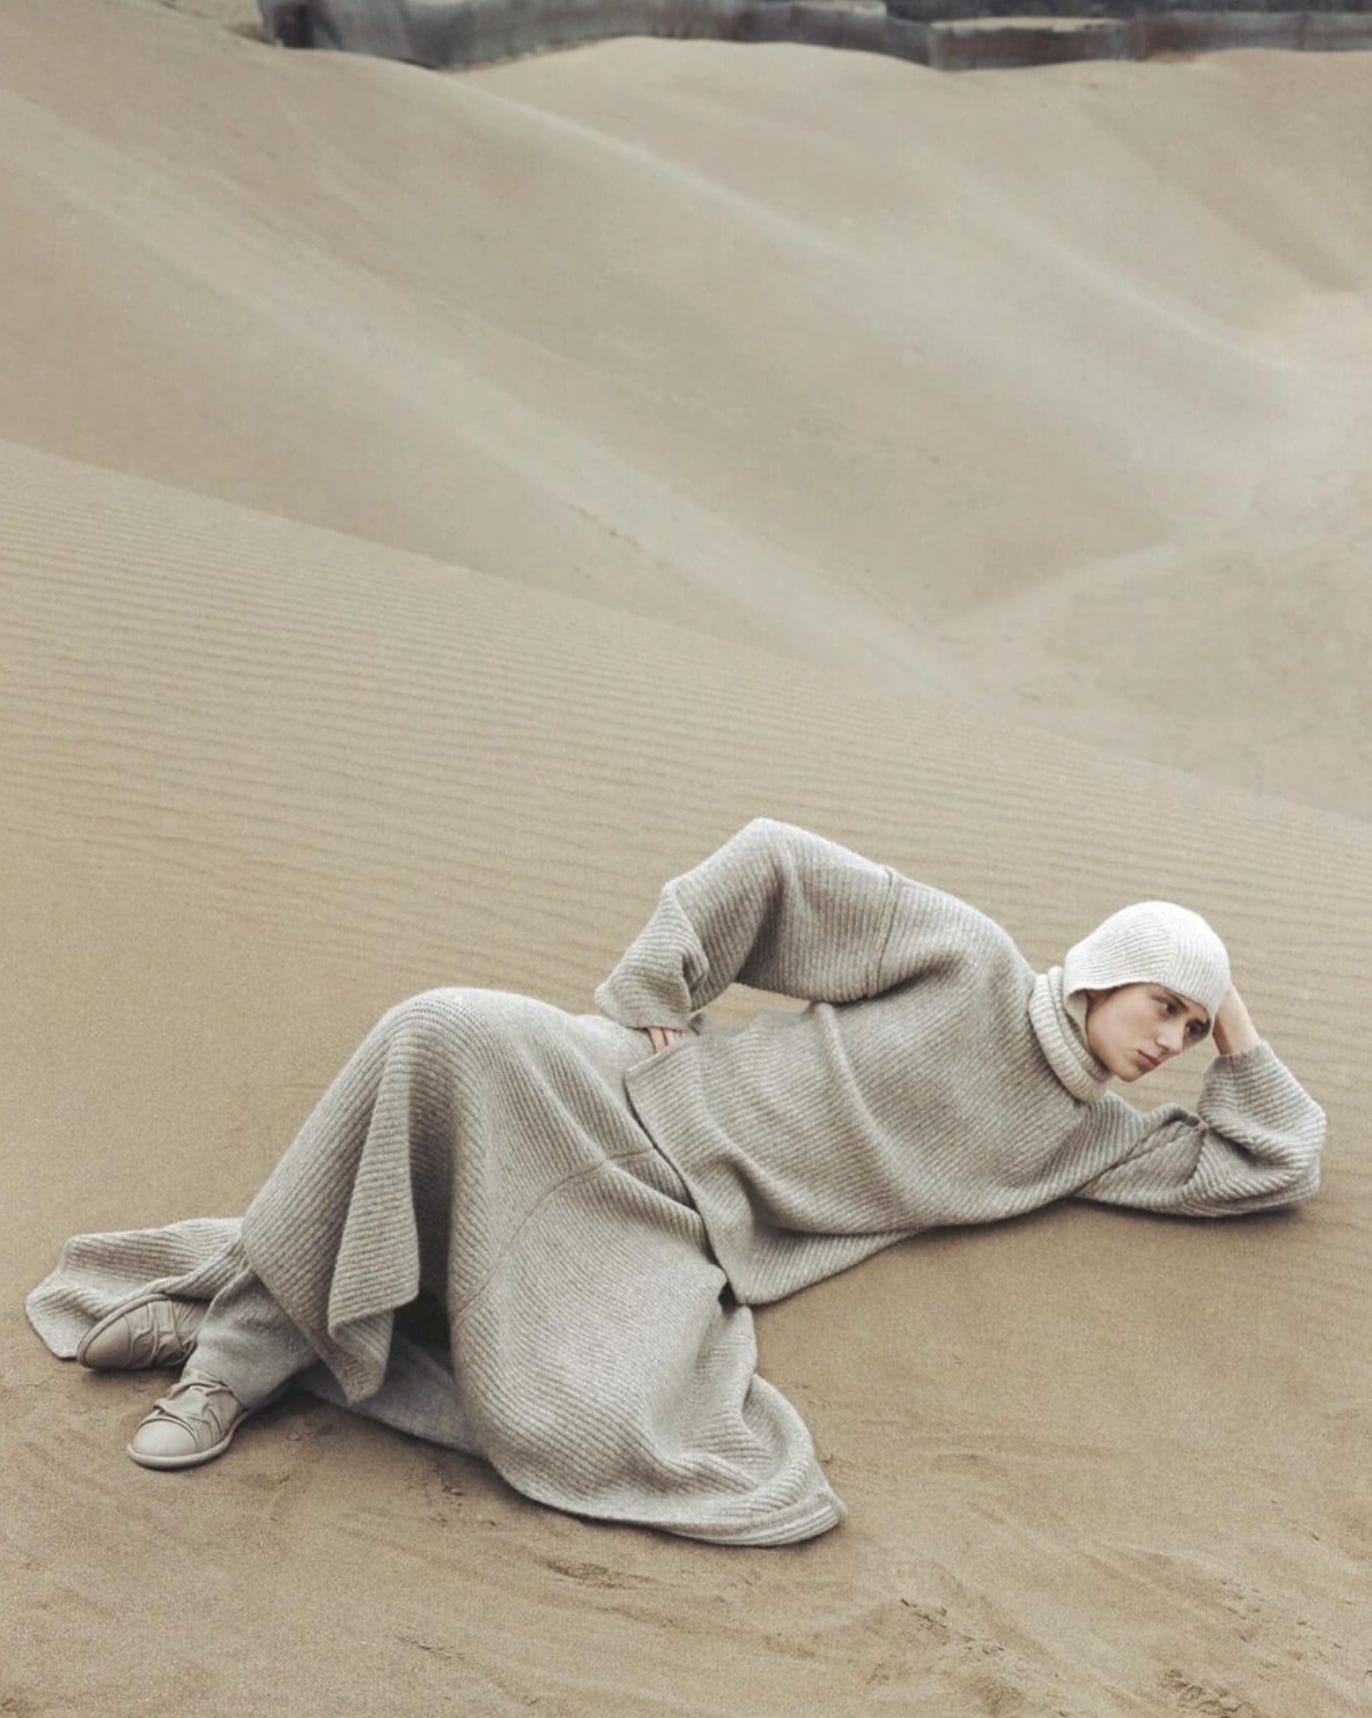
326,679
962,375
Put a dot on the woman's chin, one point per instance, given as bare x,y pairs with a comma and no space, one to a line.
1117,1067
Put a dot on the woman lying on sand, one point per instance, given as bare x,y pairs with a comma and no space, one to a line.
597,1200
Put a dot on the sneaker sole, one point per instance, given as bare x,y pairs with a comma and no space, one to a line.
83,1347
195,1457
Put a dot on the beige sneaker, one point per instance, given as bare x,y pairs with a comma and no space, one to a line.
151,1331
194,1422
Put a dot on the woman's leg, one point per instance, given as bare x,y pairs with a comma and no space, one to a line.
246,1351
247,1341
334,1231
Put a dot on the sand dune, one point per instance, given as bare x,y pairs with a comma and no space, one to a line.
436,510
893,388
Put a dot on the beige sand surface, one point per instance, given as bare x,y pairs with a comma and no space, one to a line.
436,509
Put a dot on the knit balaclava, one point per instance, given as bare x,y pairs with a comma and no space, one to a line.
1150,942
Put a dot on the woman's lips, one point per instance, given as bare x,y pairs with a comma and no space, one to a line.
1147,1060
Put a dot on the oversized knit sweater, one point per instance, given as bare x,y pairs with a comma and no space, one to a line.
491,1148
933,1078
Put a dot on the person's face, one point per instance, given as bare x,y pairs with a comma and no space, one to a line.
1133,1022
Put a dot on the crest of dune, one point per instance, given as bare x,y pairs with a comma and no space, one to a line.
438,508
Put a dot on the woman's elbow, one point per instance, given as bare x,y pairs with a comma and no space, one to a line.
1307,1183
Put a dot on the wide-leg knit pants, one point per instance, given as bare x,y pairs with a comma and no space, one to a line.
479,1146
247,1340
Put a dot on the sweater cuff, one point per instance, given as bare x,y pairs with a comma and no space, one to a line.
635,1005
1260,1084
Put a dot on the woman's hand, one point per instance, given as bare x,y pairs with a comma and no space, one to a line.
1234,1028
662,1036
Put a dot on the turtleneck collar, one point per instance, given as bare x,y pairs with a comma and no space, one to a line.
1062,1037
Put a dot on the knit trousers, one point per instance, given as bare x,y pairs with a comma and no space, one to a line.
246,1340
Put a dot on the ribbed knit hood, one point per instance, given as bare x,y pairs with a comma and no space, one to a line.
1150,942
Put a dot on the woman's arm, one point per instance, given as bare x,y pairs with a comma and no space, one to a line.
1253,1144
1234,1028
776,907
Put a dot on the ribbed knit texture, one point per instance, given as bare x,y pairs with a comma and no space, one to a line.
246,1340
1062,1038
485,1146
1151,942
922,1086
479,1143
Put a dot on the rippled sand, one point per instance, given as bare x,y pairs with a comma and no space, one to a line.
439,508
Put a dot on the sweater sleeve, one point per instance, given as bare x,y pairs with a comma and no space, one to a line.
1254,1144
776,907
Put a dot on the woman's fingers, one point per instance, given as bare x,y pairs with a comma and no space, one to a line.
662,1036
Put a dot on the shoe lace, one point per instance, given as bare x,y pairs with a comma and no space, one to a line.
192,1414
168,1332
186,1317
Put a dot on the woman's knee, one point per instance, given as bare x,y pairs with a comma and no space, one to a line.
447,1005
448,1015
